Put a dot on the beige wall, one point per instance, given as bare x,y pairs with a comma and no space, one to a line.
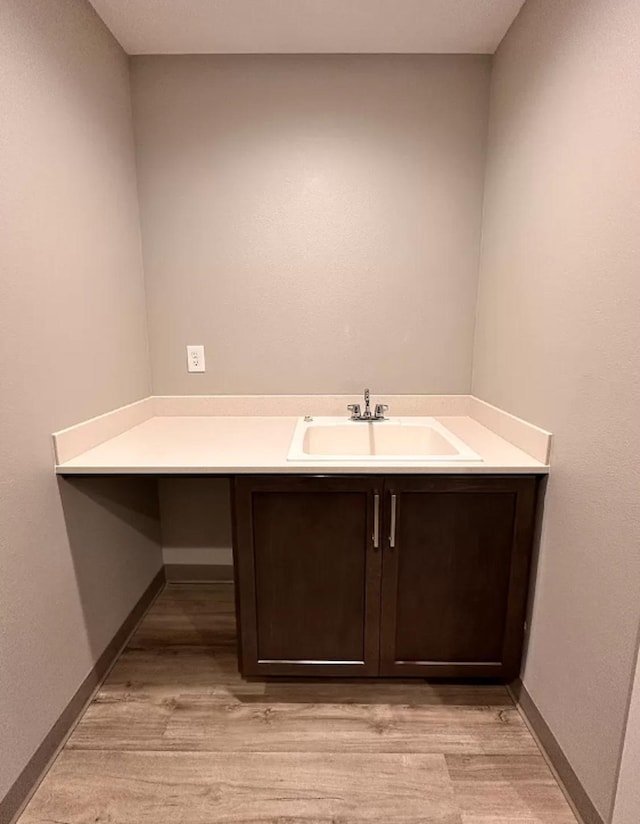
314,220
558,341
627,804
196,521
74,557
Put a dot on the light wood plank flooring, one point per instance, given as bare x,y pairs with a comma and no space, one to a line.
175,735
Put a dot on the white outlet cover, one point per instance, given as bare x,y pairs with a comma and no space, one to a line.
195,358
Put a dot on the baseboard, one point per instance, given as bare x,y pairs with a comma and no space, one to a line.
198,573
557,760
29,779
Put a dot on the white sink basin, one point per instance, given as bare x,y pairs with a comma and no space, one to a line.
396,439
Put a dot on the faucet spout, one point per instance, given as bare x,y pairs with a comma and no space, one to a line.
358,415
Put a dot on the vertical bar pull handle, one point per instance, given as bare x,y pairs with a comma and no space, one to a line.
392,527
376,521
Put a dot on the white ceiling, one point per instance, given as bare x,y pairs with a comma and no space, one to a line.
312,26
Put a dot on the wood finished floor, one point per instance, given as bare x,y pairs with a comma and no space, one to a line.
175,735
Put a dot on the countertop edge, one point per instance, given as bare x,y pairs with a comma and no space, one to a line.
419,469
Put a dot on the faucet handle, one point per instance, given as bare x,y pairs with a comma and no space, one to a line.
354,408
381,408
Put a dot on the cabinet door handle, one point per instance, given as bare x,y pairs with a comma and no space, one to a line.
392,528
376,521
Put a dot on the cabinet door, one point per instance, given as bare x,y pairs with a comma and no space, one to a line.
455,575
308,575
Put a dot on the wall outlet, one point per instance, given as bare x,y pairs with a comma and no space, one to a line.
195,359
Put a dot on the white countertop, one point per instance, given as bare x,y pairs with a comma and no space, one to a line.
226,445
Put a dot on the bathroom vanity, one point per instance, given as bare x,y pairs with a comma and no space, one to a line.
395,548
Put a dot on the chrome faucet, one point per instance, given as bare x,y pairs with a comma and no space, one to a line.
358,415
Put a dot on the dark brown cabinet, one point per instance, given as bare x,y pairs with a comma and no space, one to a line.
307,575
391,576
455,575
